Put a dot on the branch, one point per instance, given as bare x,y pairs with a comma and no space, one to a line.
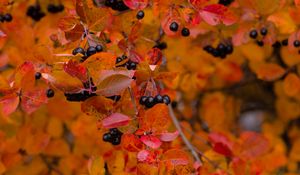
185,140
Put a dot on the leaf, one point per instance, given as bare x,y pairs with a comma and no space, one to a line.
8,104
269,71
77,70
97,106
114,84
115,120
176,157
265,8
168,137
291,84
253,145
136,4
131,143
198,4
221,144
216,13
96,166
33,99
143,155
151,141
172,15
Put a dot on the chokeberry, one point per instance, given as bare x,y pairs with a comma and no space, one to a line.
7,17
34,11
52,8
143,100
296,43
185,32
131,65
253,34
263,31
225,2
38,75
78,50
166,99
50,93
285,42
229,49
140,14
110,3
221,48
116,141
209,49
114,131
215,53
99,48
277,44
260,43
91,51
149,103
158,99
107,137
161,45
174,26
119,60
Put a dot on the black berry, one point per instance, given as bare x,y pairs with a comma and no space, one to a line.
99,48
143,100
161,45
158,99
260,43
140,14
107,137
225,2
91,51
118,60
253,34
174,26
221,48
38,75
263,31
229,49
7,17
149,103
296,43
285,42
50,93
277,44
166,99
78,50
209,49
116,141
185,32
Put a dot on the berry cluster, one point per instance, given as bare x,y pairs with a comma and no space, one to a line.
6,18
113,136
254,34
184,31
225,2
35,12
52,8
89,52
88,92
130,65
116,5
140,14
221,51
38,75
150,101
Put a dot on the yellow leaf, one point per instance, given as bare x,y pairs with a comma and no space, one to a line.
96,166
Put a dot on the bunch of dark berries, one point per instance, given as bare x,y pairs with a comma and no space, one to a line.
52,8
150,101
85,94
113,136
130,65
35,12
116,5
225,2
254,34
89,52
6,17
222,50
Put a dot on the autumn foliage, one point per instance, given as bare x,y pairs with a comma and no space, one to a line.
202,87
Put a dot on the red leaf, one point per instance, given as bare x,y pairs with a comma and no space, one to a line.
151,141
115,120
172,15
216,13
8,104
76,70
168,137
221,144
136,4
143,155
253,145
33,99
198,4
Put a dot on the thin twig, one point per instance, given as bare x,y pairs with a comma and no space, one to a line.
185,140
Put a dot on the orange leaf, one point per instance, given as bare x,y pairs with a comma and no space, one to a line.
269,71
8,104
291,84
